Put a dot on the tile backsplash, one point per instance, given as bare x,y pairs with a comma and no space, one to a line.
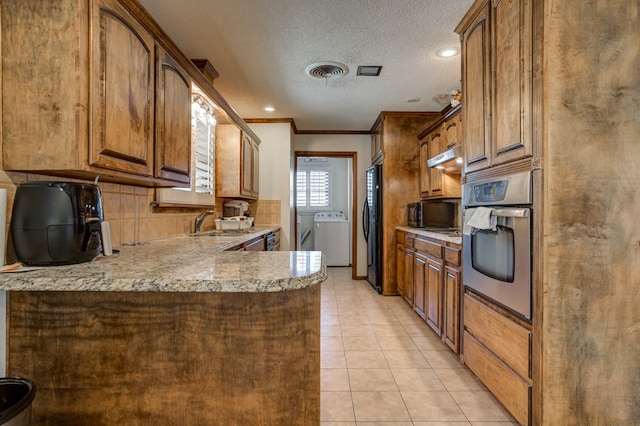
132,216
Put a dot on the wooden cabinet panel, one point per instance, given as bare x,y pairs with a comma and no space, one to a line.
433,291
451,308
511,390
255,245
409,280
400,272
511,56
496,80
420,277
440,137
510,342
237,163
122,75
424,170
89,109
475,86
400,183
452,130
173,119
428,247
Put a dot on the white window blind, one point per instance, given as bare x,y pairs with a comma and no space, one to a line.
313,189
203,145
203,132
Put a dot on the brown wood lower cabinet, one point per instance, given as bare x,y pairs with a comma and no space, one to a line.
430,281
497,349
255,245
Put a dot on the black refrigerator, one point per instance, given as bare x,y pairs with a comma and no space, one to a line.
371,224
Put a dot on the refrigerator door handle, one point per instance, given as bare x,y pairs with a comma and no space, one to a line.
365,220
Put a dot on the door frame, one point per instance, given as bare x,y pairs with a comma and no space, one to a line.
353,155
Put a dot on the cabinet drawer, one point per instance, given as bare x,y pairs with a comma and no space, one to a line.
428,247
513,392
452,255
507,340
401,237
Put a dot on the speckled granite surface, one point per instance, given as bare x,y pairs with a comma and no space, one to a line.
180,264
444,236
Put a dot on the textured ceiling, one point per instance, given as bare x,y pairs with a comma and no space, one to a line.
261,48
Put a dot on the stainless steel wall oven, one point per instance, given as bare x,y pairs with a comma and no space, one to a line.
497,260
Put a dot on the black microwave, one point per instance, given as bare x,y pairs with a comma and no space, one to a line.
431,214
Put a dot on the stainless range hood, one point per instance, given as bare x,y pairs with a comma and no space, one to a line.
448,161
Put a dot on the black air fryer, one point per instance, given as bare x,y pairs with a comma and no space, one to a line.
56,223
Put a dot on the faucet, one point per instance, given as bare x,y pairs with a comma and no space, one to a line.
200,218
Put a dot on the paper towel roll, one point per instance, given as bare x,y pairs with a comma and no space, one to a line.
3,223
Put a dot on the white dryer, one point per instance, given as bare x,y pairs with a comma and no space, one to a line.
332,236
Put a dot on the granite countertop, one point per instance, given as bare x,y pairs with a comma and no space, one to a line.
450,236
188,263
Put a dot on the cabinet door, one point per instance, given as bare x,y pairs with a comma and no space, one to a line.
255,168
420,284
511,56
452,132
173,119
435,175
476,89
122,75
433,294
255,245
246,166
409,276
376,144
400,250
451,308
424,169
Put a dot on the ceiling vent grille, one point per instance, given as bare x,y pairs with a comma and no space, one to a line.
325,70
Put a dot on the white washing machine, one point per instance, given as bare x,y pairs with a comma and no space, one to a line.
332,236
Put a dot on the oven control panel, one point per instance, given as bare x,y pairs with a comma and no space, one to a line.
513,189
491,191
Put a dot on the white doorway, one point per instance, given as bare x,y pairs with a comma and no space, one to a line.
325,182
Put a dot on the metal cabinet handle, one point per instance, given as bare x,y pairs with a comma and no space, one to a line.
510,212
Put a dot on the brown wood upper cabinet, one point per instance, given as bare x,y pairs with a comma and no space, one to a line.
173,119
79,93
496,80
443,135
237,163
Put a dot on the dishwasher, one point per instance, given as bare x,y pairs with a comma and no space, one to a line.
271,241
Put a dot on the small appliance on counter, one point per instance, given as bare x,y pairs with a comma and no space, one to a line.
431,214
236,208
58,223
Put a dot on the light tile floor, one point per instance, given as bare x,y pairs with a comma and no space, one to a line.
382,365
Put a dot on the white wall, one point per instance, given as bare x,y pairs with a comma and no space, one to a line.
361,144
276,170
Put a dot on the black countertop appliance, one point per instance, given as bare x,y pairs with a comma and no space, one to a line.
56,223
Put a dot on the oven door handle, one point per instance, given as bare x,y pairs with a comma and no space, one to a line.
510,212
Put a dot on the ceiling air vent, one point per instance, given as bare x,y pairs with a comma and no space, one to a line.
324,70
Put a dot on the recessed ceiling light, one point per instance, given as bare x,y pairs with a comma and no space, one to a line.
413,99
270,108
447,52
369,70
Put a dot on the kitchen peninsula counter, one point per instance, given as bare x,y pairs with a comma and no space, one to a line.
189,263
173,332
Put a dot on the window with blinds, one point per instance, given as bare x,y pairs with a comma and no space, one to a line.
203,132
313,189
